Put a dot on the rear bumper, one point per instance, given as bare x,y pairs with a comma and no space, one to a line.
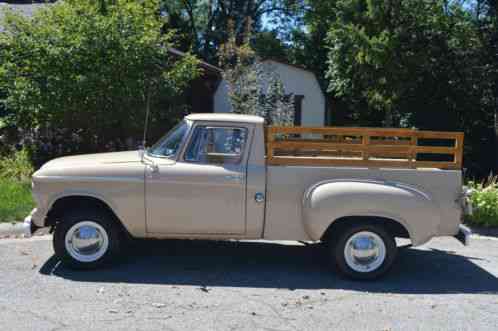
463,234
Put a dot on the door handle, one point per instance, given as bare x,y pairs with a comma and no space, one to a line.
234,177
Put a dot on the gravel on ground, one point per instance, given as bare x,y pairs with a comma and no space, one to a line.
200,285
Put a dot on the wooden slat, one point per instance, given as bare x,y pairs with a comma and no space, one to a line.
361,147
389,142
435,150
459,152
340,130
315,144
392,154
353,132
436,134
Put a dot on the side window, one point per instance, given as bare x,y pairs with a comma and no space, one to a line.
216,145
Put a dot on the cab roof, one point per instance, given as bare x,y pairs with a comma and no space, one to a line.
226,118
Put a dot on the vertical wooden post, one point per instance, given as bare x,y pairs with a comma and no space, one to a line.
412,156
366,150
458,150
269,144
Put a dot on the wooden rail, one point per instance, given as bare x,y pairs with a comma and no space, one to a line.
364,147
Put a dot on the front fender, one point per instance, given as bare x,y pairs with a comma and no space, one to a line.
43,208
124,195
326,202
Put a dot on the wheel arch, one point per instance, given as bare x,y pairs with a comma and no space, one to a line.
392,226
61,204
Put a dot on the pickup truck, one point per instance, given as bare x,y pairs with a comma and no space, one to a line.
228,176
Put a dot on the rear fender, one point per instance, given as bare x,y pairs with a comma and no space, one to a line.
326,202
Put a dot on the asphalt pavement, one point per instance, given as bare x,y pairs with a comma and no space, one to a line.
200,285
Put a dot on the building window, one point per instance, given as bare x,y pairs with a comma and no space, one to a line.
298,107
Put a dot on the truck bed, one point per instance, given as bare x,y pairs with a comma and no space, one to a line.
287,187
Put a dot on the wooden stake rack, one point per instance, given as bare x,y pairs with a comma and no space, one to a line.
364,147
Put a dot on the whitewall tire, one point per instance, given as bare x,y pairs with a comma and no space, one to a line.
86,239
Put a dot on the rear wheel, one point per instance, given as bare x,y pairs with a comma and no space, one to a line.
87,239
363,251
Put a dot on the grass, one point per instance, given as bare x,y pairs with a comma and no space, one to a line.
15,200
15,186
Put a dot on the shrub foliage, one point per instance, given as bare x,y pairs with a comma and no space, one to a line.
485,202
16,167
89,67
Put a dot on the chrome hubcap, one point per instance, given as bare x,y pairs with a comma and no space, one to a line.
86,241
365,251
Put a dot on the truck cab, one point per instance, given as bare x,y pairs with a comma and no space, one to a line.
218,167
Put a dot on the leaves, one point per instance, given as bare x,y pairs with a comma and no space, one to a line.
16,167
485,202
414,64
76,64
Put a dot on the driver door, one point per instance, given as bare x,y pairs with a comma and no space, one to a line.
204,191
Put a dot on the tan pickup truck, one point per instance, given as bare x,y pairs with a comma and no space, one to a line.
226,176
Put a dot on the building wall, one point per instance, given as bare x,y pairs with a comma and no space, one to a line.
296,81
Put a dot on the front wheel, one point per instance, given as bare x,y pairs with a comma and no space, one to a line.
363,252
87,239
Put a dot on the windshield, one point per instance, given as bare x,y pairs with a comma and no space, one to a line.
169,145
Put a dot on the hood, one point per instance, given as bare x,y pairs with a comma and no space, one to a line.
93,159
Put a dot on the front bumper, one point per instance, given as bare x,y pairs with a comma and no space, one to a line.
29,227
463,234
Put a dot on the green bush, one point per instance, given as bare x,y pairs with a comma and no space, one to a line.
76,76
485,202
15,200
16,167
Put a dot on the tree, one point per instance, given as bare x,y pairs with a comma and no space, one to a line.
415,63
486,13
204,22
267,45
253,87
278,107
90,67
